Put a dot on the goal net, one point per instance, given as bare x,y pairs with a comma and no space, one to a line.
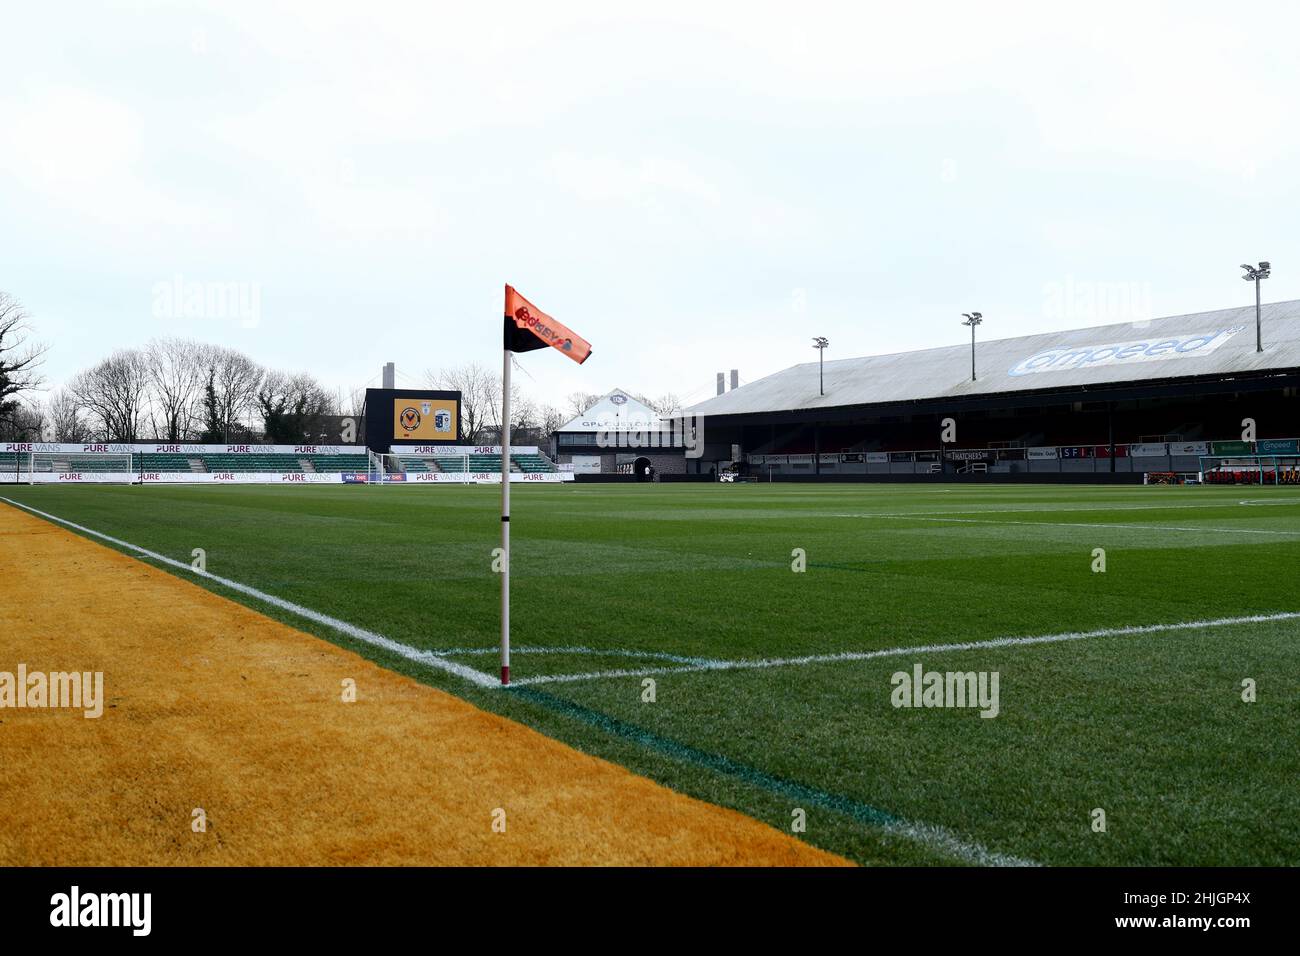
87,467
381,466
15,468
388,468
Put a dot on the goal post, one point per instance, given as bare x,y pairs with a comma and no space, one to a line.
391,468
86,467
16,468
383,465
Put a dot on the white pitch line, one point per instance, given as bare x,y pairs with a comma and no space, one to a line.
1082,524
1071,509
576,650
428,658
926,834
947,842
842,656
437,660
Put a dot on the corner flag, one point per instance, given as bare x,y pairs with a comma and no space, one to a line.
526,328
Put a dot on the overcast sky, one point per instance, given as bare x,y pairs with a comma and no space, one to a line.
692,187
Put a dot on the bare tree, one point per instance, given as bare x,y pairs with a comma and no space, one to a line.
64,418
230,385
352,403
293,408
579,402
20,358
664,404
114,394
527,416
551,418
23,422
176,380
537,423
519,405
480,393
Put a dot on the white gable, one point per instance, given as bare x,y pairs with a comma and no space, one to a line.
617,411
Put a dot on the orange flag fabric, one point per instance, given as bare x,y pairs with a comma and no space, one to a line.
527,327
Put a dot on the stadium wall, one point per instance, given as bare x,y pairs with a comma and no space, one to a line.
1067,461
275,478
183,463
162,448
1140,427
994,478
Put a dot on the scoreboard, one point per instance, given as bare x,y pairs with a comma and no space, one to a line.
396,417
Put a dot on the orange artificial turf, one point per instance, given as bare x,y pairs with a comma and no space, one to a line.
211,705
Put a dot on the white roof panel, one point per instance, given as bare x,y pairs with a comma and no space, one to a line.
1204,343
615,411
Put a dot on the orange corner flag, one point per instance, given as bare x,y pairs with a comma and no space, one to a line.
528,327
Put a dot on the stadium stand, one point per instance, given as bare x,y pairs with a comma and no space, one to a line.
256,462
63,462
1168,395
335,463
533,464
162,463
172,463
460,464
463,463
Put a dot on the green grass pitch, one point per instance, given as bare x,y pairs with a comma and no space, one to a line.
1149,726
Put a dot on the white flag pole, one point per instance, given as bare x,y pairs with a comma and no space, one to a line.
505,519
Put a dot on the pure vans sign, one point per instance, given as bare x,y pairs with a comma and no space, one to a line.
1124,353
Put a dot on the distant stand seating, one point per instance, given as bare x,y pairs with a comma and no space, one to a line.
338,463
534,463
270,463
162,463
64,462
460,464
330,464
